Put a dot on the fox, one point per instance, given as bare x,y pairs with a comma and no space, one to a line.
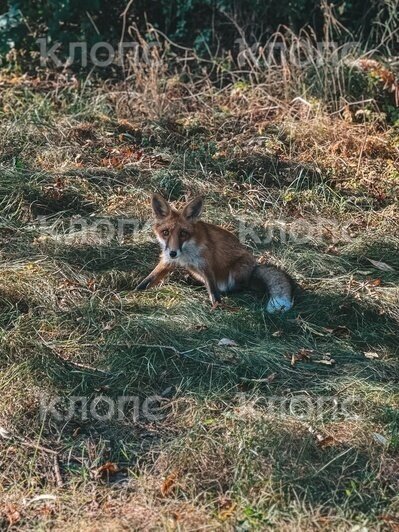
212,255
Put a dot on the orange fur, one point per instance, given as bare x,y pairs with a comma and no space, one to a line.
212,255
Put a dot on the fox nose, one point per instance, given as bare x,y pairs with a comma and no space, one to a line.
173,254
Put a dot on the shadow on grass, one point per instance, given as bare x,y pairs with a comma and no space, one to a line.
152,346
100,259
382,250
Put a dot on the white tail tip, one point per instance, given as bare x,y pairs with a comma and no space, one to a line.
279,304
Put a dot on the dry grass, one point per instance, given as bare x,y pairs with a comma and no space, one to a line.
71,325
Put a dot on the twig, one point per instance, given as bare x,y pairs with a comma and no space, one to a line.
268,379
179,353
70,362
35,446
7,436
124,16
170,347
57,472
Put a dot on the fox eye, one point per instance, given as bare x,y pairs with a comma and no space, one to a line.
165,232
183,233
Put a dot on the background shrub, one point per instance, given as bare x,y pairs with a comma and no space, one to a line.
207,25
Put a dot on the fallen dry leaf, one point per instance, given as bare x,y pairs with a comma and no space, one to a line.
4,433
327,361
268,379
379,438
105,470
45,511
91,284
12,514
227,342
119,157
227,511
392,520
371,354
168,484
325,441
302,355
45,497
383,266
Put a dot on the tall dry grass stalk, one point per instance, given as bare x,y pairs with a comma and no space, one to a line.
166,77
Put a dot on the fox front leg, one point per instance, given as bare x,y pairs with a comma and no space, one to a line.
155,277
213,291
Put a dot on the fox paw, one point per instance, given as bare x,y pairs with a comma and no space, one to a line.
279,304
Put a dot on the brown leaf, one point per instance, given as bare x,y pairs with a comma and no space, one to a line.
227,510
118,157
168,484
325,441
302,355
224,502
107,469
45,510
12,514
91,284
392,520
60,184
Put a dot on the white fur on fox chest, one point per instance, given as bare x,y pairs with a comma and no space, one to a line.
191,258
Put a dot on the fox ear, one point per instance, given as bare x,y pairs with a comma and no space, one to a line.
160,206
193,209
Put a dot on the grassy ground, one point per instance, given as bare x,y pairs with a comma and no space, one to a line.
318,194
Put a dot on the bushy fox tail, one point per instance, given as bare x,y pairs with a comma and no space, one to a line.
277,284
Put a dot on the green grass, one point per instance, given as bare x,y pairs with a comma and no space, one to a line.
220,455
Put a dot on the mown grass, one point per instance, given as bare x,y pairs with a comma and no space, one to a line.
320,193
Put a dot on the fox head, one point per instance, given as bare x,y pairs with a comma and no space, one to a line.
175,229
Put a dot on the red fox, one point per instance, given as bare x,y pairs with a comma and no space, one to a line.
213,256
